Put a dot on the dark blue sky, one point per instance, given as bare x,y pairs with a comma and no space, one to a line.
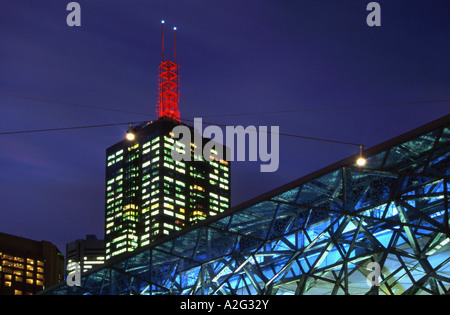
236,57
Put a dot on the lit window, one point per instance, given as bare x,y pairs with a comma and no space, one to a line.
199,188
168,212
180,216
180,183
168,206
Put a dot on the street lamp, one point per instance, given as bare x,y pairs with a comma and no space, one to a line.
361,161
130,133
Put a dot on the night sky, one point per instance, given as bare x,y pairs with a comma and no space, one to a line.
316,64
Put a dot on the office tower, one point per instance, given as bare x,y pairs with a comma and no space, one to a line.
149,195
28,266
88,253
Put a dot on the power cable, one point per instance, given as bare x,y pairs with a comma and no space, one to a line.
235,114
60,129
145,122
188,120
285,134
310,109
74,104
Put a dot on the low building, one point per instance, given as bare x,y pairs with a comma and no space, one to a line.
28,266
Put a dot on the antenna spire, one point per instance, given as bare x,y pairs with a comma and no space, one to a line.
162,38
175,44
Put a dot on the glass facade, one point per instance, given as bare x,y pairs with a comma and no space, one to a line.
149,195
317,235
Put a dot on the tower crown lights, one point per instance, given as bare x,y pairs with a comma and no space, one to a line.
168,84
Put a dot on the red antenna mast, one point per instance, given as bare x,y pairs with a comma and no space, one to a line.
168,84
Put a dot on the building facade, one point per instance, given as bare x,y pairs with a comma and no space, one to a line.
149,195
87,253
28,266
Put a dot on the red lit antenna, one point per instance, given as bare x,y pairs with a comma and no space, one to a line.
168,84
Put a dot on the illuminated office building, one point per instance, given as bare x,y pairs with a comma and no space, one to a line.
87,253
28,266
149,195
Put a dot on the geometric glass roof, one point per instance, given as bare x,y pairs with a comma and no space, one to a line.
320,234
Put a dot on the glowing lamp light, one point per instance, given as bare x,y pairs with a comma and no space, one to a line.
361,161
130,136
162,21
130,133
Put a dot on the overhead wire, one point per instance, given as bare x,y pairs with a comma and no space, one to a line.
189,120
304,109
283,134
73,104
310,109
140,122
60,129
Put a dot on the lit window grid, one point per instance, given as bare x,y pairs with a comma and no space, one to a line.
86,263
15,271
124,236
153,155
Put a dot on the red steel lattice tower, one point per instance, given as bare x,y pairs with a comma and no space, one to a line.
168,85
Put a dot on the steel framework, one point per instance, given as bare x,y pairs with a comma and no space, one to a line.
316,235
168,90
169,94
